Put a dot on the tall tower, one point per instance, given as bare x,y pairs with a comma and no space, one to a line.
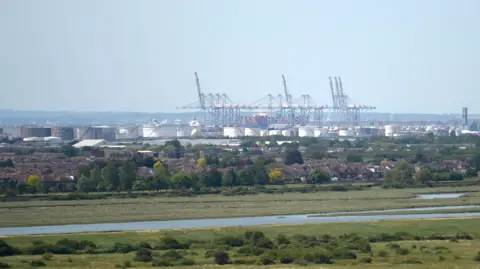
465,117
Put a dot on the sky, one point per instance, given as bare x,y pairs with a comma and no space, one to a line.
125,55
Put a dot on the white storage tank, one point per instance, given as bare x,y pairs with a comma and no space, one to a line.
33,139
233,131
180,132
319,131
252,132
306,131
263,132
150,131
346,133
286,132
392,129
274,132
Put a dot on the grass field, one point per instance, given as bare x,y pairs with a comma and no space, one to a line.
430,253
35,213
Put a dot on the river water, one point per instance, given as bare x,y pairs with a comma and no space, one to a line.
231,222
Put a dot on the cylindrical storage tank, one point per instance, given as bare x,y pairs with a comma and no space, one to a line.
149,131
195,132
263,132
306,132
252,131
346,133
392,129
318,131
286,133
33,139
274,132
232,131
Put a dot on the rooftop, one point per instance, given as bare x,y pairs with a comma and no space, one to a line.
89,143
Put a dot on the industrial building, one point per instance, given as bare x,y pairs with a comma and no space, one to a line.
98,132
64,132
35,131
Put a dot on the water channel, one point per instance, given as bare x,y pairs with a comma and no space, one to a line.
231,222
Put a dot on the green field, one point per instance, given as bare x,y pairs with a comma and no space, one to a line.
438,253
35,213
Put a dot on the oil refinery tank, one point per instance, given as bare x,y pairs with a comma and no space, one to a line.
346,133
274,132
319,131
233,132
150,131
306,131
392,129
287,133
250,131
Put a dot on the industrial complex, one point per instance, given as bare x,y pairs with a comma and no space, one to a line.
273,115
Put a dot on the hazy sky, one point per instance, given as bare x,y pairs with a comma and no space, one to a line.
109,55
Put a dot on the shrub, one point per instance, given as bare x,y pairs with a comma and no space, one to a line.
250,250
143,255
301,262
412,261
122,248
265,260
76,245
4,265
222,257
7,250
320,257
168,242
172,254
393,246
244,262
144,244
162,263
365,260
233,241
402,251
441,258
37,263
286,258
282,240
382,253
341,253
47,256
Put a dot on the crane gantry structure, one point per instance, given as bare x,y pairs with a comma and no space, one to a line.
220,111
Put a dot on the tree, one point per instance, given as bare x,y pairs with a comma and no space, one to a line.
110,176
400,176
157,164
471,172
245,178
354,158
222,257
293,155
96,177
127,174
318,176
213,178
34,184
181,180
202,162
69,151
276,176
143,255
229,178
423,176
430,137
83,184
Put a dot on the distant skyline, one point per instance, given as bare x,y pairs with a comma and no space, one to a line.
118,55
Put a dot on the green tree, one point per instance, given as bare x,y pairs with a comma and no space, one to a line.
127,174
292,155
213,178
110,176
318,176
70,151
400,176
229,178
245,178
354,158
96,177
181,180
83,184
424,175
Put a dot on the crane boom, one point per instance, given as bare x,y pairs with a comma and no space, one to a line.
334,99
201,100
288,98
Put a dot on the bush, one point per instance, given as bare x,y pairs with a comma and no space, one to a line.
4,265
393,246
143,255
250,250
343,254
122,248
7,250
186,262
282,240
402,251
37,263
286,258
162,263
47,256
144,245
168,242
233,241
265,260
320,257
76,245
365,260
244,262
222,257
383,254
412,261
